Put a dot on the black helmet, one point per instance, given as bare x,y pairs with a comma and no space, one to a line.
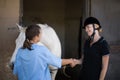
91,20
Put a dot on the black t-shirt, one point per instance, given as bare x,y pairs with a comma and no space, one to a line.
92,62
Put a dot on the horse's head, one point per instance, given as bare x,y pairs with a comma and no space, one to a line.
19,41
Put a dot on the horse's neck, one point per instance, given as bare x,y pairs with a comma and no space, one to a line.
21,38
43,26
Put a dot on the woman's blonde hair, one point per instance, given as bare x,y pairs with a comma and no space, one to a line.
97,27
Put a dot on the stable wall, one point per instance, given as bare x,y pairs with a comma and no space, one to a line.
108,12
9,16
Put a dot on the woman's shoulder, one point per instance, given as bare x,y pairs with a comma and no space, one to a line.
103,41
39,47
105,45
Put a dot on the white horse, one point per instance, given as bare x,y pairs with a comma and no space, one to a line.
49,39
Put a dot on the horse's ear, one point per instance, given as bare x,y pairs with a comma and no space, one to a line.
19,27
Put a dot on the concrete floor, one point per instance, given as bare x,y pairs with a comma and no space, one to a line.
112,74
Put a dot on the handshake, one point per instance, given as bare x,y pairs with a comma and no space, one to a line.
72,62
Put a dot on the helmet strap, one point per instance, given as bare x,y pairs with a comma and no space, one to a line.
91,38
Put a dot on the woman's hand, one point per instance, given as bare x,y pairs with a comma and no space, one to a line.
74,62
77,61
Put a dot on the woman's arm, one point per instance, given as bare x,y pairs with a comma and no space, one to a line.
68,61
105,61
